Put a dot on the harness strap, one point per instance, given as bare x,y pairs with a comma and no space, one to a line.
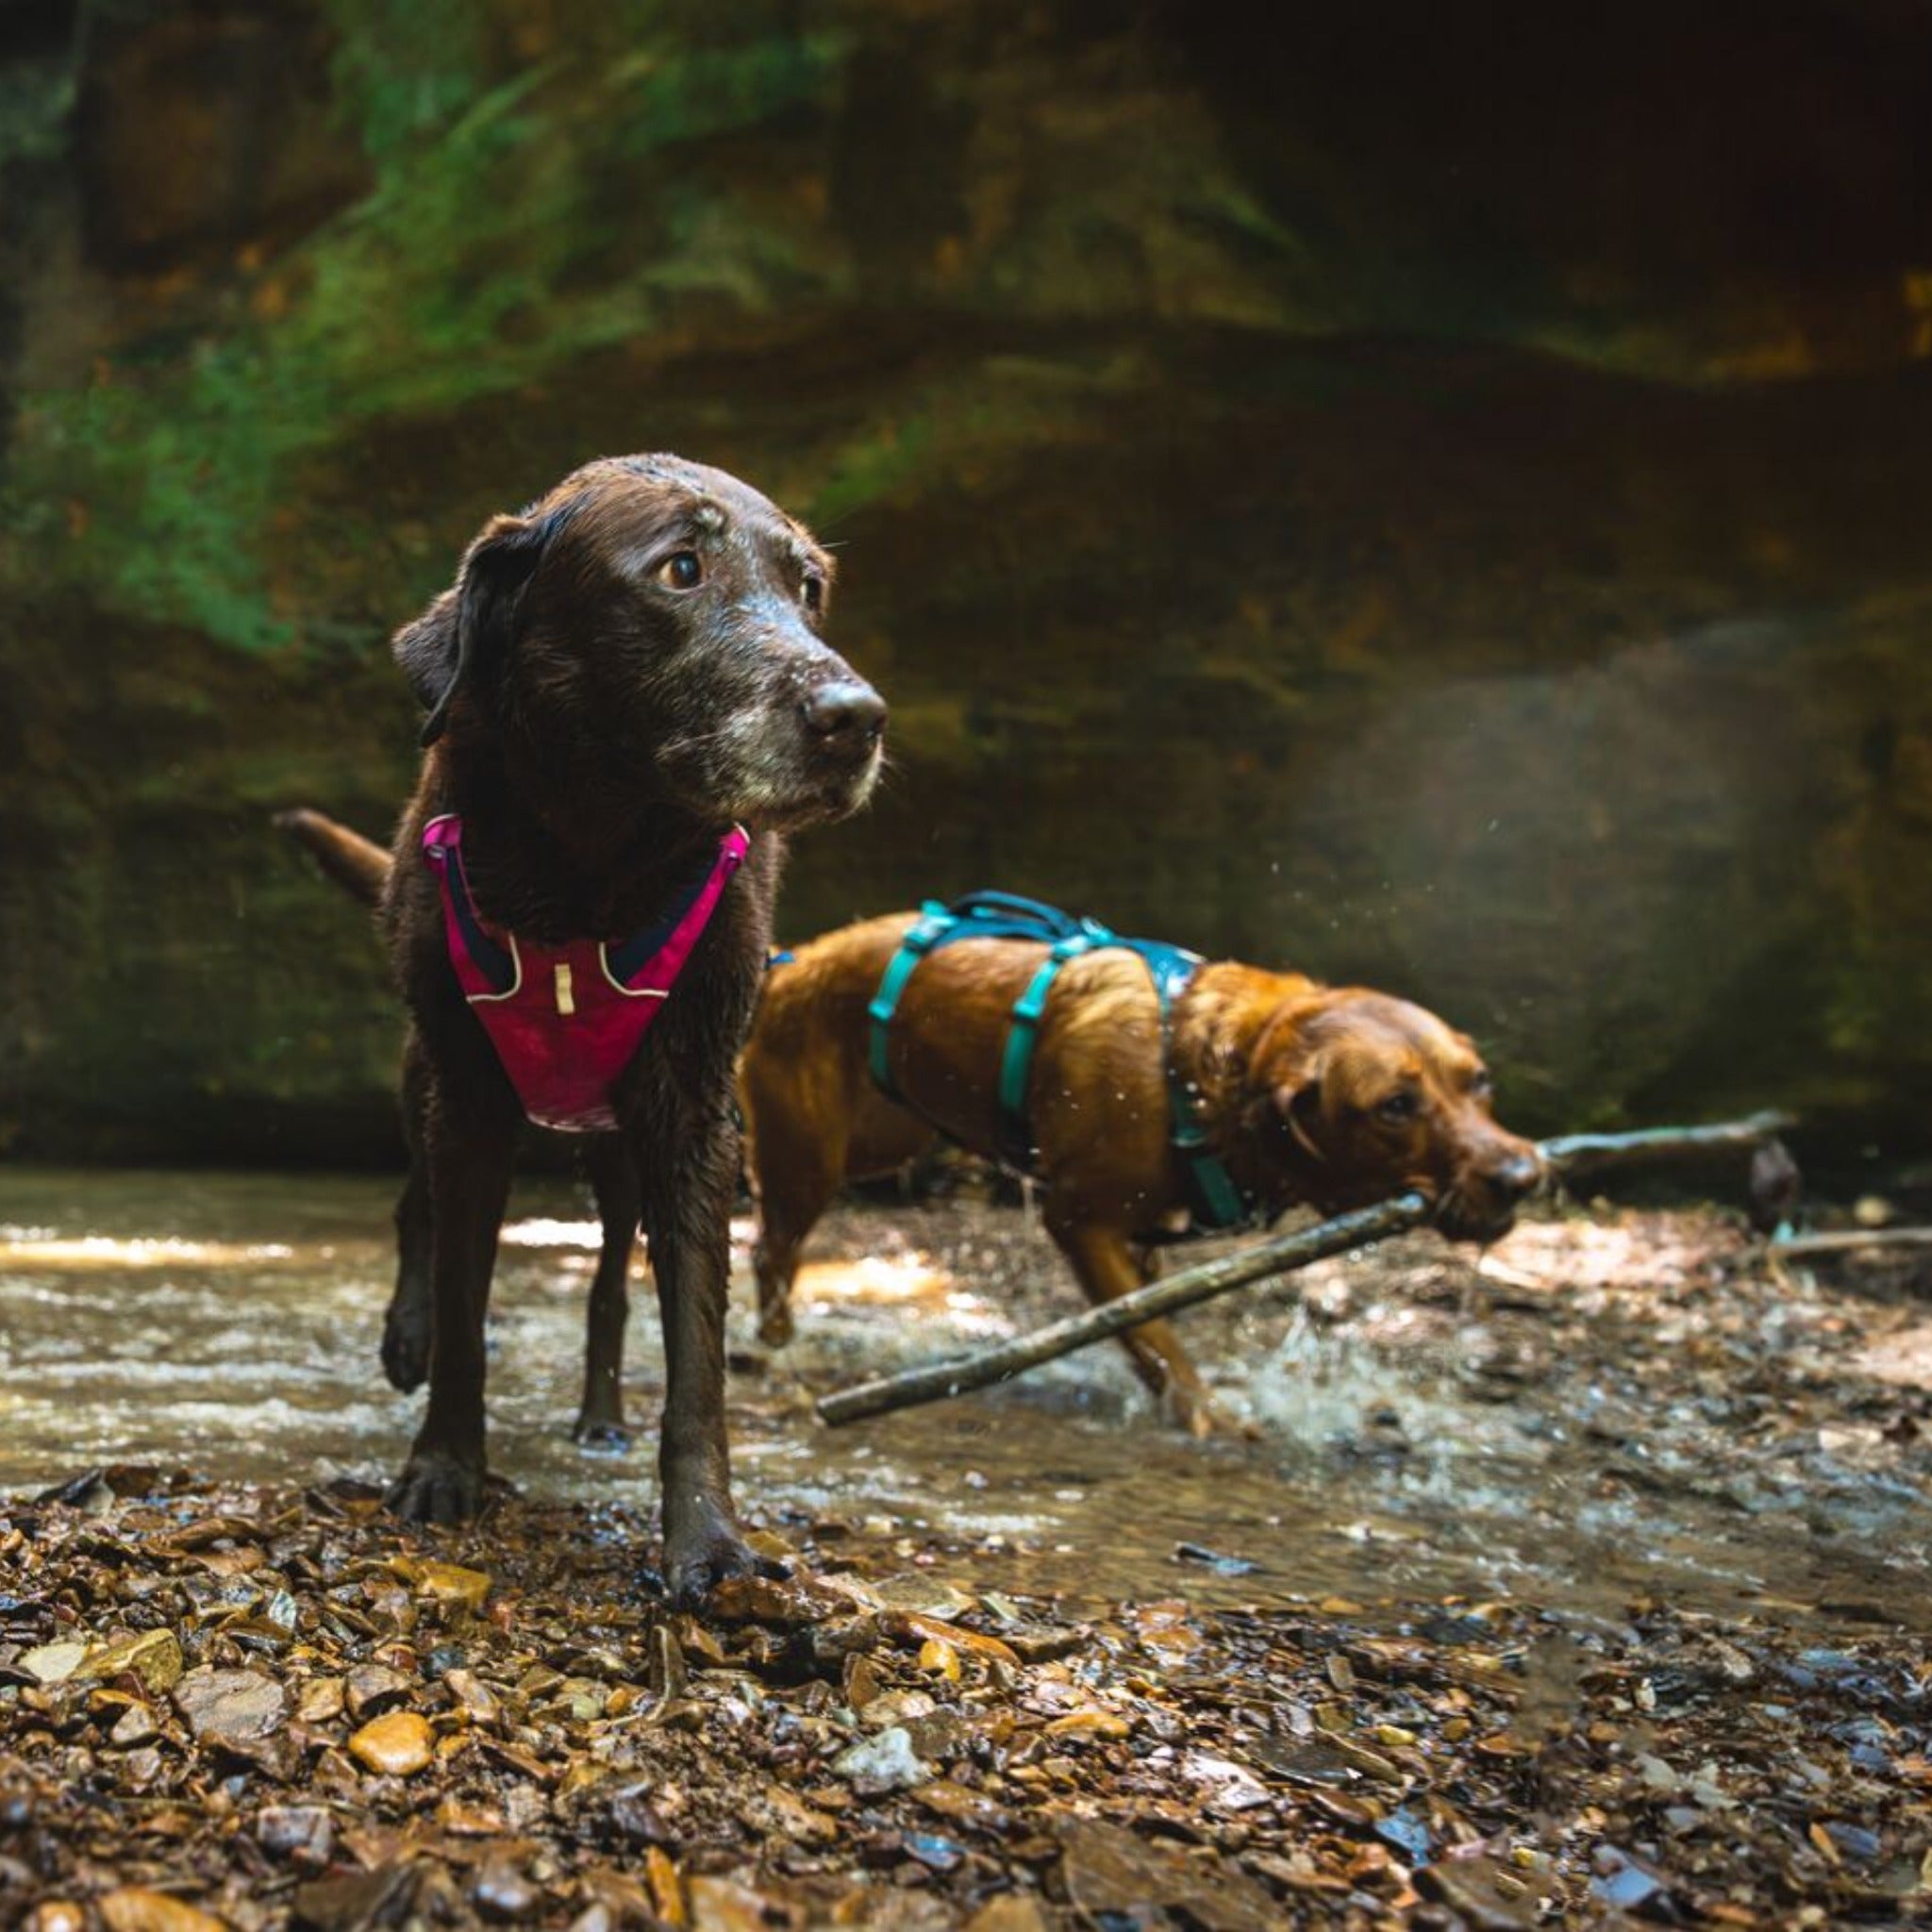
934,923
1213,1200
1012,1135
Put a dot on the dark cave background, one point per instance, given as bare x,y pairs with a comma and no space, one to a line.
1432,496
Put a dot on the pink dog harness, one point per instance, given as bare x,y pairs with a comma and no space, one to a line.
566,1020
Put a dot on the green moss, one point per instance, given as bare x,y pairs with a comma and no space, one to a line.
456,277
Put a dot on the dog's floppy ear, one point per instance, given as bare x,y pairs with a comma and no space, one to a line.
466,633
1297,1103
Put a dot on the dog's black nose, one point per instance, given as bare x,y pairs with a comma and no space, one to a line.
846,706
1515,1175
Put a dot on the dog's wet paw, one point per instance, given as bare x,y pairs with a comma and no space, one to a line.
600,1435
1206,1421
436,1489
695,1565
405,1352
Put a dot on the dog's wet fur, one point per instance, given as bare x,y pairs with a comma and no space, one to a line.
1332,1097
616,677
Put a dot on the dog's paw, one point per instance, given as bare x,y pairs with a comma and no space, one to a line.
600,1435
774,1324
698,1562
405,1351
436,1489
1206,1421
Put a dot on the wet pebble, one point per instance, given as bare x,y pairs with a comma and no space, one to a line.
134,1908
397,1744
231,1707
374,1689
152,1658
883,1763
134,1725
303,1833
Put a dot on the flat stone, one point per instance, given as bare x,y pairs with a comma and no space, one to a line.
374,1689
53,1663
236,1707
154,1657
885,1763
319,1699
397,1744
474,1698
450,1583
1110,1871
303,1833
134,1725
1490,1896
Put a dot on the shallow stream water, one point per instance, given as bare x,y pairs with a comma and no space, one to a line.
228,1325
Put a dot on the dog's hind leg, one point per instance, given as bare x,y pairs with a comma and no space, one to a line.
600,1423
794,1160
406,1324
1109,1266
792,1184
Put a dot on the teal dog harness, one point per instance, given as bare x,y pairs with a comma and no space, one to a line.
1214,1201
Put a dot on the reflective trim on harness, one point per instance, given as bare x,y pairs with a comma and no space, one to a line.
1214,1202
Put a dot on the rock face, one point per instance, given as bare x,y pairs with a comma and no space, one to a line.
1417,495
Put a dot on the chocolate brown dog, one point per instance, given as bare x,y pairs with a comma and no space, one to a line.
618,675
1332,1096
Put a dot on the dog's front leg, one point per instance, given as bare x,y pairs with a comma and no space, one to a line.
469,1145
686,1170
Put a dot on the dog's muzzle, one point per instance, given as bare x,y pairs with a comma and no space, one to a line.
1482,1203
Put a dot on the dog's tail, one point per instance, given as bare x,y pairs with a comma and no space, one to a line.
359,865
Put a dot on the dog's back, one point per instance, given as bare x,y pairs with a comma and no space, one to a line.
808,1056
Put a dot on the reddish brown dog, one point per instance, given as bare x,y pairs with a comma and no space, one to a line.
1329,1097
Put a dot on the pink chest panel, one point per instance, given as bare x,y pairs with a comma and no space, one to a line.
566,1021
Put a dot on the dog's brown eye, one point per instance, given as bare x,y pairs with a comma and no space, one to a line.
684,570
811,594
1397,1108
1480,1085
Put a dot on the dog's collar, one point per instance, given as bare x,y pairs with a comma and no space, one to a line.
566,1020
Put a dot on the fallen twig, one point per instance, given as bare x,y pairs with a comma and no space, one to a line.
1847,1241
1577,1153
1273,1255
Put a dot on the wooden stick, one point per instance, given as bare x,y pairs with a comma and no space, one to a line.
1850,1239
1199,1283
1575,1154
1273,1255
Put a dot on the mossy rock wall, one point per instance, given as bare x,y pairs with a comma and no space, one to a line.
1439,506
